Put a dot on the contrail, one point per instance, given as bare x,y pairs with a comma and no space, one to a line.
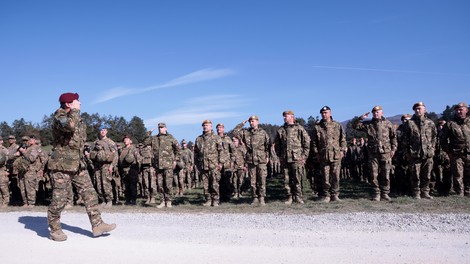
385,70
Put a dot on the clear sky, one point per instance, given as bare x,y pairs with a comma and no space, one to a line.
181,62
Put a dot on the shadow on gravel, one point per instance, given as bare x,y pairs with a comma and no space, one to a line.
39,225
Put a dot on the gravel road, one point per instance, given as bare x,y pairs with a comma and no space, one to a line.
169,237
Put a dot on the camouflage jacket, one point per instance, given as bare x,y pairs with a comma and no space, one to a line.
68,138
456,136
292,143
165,150
240,154
227,153
33,156
256,142
419,137
104,152
128,157
3,156
381,136
146,155
328,141
207,151
187,157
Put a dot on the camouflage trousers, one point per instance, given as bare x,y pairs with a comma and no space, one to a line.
130,177
210,182
180,175
4,190
380,167
104,186
258,174
165,184
149,181
61,184
293,173
460,165
421,175
330,173
237,180
28,184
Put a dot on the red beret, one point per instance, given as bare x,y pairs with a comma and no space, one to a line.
68,97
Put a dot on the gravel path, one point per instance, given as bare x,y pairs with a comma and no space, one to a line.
241,238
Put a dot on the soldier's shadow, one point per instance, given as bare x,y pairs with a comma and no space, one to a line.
39,225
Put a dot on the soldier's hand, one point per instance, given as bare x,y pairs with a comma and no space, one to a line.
364,116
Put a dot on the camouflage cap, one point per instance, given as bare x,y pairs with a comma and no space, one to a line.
11,137
68,97
207,121
161,125
418,104
287,112
25,138
461,104
376,108
325,108
220,124
253,117
405,116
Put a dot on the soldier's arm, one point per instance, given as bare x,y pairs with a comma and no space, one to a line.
393,139
342,138
305,144
238,130
67,121
358,122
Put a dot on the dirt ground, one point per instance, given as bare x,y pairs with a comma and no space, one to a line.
169,237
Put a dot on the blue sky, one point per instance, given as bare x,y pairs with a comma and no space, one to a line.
181,62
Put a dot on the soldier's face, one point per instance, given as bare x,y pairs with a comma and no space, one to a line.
162,130
377,114
326,114
420,110
461,112
103,132
220,130
289,119
127,141
254,123
207,127
235,142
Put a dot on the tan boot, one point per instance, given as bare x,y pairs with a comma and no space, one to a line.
103,228
425,195
376,198
168,204
207,203
152,200
148,201
215,203
261,201
58,235
254,201
385,197
325,199
335,198
289,200
161,205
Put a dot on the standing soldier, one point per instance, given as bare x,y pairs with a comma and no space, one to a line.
149,178
256,141
129,163
381,146
15,197
4,190
105,158
188,162
68,167
456,142
165,150
329,146
226,172
29,180
274,162
292,145
209,159
402,167
441,171
420,142
239,167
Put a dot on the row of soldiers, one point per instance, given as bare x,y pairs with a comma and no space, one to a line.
402,158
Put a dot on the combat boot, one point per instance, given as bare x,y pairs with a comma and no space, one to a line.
103,228
254,201
161,205
426,195
416,196
261,201
152,200
289,200
385,197
300,200
215,203
335,198
325,199
148,201
108,204
58,235
207,203
168,204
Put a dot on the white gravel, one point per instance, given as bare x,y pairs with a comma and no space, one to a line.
168,237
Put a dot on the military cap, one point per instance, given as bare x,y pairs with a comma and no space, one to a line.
418,104
405,116
461,104
68,97
288,112
207,121
253,117
25,138
220,124
161,125
325,108
376,108
11,137
126,136
183,142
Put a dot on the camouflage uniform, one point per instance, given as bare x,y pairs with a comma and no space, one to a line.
15,196
129,165
187,159
104,156
149,177
4,190
329,144
402,168
441,177
166,153
292,145
239,168
29,180
67,167
257,146
274,162
226,172
207,157
456,142
381,142
420,142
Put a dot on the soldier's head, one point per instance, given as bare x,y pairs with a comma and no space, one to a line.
220,129
377,112
405,118
419,108
11,139
32,140
127,140
184,144
69,101
236,141
289,117
440,123
254,121
103,131
325,113
206,126
162,129
461,110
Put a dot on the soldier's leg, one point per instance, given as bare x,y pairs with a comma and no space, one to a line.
457,166
374,173
61,182
4,190
415,167
168,185
160,186
133,182
252,174
466,176
206,181
335,170
298,172
425,177
84,187
262,173
152,184
99,184
22,188
215,187
31,188
325,179
287,183
107,185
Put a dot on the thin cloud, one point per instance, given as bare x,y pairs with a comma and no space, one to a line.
194,77
201,108
385,70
